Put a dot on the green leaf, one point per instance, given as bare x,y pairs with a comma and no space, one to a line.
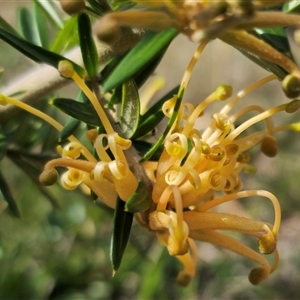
153,116
84,112
140,200
33,172
99,7
7,27
130,109
291,6
148,70
267,65
152,44
143,147
70,127
170,123
276,37
41,26
65,36
72,123
37,53
50,12
5,190
87,45
116,98
3,143
121,231
29,27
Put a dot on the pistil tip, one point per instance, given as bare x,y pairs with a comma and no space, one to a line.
257,275
291,86
66,69
49,177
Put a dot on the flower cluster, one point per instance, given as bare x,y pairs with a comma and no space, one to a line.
198,170
205,20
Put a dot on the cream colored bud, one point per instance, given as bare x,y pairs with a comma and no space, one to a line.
72,7
108,30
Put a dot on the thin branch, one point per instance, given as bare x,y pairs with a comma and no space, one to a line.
44,79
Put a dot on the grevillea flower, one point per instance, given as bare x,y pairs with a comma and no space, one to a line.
198,170
204,20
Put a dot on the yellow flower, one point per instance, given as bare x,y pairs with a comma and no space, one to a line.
108,178
199,169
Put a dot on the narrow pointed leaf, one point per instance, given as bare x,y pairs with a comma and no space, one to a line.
70,127
148,70
130,109
140,200
36,53
110,66
28,27
276,37
51,13
291,6
121,231
87,45
170,123
98,7
143,147
7,27
152,44
84,112
5,190
65,37
153,116
267,65
72,123
41,26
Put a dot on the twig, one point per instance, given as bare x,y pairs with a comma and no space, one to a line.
44,79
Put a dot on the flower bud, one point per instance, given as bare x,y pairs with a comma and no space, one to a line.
108,30
72,7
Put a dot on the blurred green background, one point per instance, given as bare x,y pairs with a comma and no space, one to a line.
63,253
